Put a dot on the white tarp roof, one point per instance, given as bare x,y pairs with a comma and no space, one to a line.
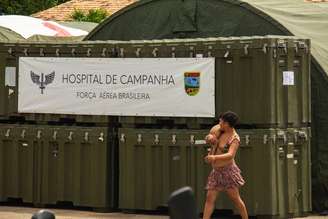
29,26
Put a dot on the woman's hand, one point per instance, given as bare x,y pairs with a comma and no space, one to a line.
209,158
211,139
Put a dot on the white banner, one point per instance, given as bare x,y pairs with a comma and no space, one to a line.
182,87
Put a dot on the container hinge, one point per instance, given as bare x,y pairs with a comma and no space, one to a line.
122,52
25,51
70,136
274,139
138,52
139,138
38,135
247,139
296,48
209,53
7,135
88,52
282,135
303,135
275,53
23,133
54,136
104,51
101,137
122,138
57,52
192,139
295,136
174,139
155,51
265,139
265,47
173,52
281,152
156,140
246,49
191,53
283,46
86,136
41,52
10,51
73,52
226,54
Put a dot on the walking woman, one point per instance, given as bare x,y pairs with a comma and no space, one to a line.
225,176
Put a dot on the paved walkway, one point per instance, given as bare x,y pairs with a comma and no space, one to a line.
26,213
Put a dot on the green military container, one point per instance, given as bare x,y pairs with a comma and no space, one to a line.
10,54
253,65
18,163
49,164
248,75
155,162
76,167
275,164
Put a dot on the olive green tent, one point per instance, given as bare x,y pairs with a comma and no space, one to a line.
167,19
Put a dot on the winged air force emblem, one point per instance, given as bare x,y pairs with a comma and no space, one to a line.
43,80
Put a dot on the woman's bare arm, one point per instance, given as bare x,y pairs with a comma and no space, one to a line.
229,155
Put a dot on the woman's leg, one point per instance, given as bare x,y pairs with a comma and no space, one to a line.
240,205
210,203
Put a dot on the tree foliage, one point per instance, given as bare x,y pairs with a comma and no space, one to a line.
26,7
93,15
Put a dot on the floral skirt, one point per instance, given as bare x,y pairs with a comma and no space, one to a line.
224,178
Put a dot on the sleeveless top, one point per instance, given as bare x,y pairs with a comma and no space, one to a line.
226,147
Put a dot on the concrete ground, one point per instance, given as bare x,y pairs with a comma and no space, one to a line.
26,213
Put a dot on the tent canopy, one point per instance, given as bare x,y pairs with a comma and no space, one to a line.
159,19
20,28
